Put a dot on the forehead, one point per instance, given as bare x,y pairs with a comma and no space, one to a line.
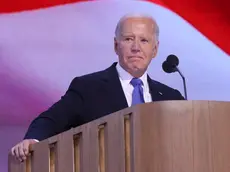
137,25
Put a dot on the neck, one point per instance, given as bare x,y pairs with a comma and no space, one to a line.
136,74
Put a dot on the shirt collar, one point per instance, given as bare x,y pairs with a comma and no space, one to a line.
126,77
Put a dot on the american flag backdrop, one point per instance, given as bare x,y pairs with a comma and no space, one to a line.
44,44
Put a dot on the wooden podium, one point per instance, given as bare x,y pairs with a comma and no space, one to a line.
167,136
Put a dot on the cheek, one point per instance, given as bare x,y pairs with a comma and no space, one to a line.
124,50
148,52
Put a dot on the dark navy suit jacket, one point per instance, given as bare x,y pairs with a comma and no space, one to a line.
90,97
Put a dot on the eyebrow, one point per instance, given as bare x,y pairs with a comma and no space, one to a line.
127,34
132,35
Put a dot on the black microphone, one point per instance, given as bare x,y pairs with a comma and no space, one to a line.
170,65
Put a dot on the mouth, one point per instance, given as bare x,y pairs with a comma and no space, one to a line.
135,57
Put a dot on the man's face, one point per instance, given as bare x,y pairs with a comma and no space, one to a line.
136,45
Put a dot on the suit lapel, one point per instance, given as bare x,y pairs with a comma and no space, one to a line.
154,90
113,90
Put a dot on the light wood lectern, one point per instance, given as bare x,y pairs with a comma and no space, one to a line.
167,136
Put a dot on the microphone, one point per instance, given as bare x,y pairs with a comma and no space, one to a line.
170,65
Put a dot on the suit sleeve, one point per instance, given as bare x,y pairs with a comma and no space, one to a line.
60,117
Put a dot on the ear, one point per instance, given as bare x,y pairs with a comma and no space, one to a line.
115,45
155,49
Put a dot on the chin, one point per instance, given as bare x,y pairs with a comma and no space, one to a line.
136,66
136,69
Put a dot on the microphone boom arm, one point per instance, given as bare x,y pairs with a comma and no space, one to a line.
184,83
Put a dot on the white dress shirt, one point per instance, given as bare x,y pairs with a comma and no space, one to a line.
125,79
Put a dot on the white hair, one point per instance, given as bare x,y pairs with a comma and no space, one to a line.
118,27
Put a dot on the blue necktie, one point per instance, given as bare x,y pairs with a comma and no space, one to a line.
137,96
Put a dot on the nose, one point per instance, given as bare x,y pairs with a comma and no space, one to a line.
135,46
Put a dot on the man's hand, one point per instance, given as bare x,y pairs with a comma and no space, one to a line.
21,150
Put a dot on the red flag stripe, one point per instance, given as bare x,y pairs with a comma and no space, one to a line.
22,5
210,17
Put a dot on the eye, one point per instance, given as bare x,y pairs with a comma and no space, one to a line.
128,39
144,40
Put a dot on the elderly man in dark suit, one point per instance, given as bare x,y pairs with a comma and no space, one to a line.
121,85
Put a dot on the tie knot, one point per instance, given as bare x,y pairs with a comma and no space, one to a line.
136,82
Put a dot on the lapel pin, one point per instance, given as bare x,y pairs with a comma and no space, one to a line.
160,93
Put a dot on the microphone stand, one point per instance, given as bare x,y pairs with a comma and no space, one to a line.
184,83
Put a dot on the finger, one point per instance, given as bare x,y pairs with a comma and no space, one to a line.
17,153
12,151
26,148
21,152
